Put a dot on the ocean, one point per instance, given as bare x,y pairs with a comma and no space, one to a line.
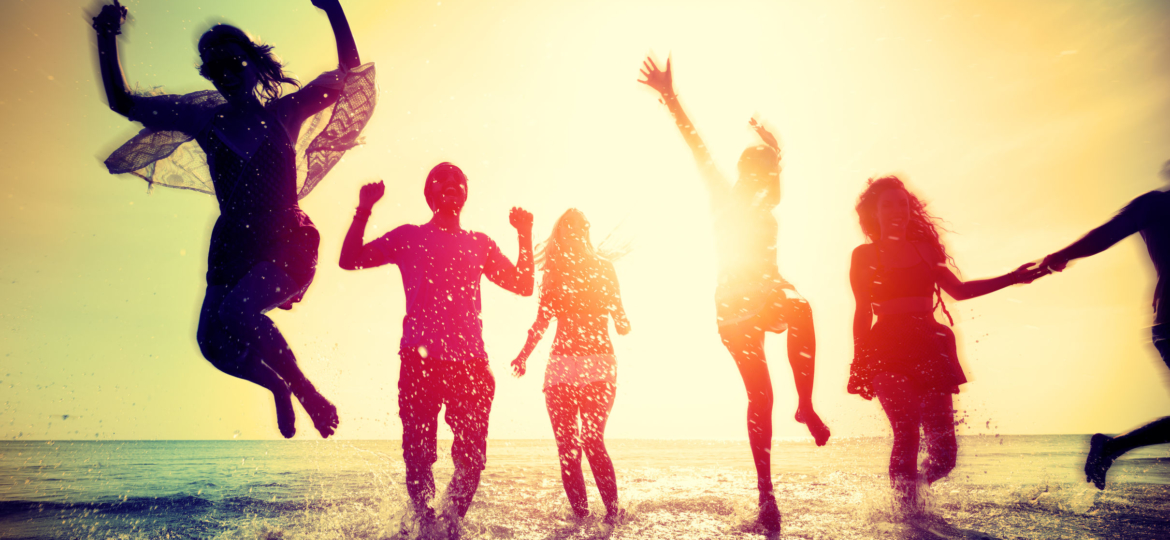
1004,487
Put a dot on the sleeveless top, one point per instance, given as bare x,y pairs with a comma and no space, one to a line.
892,282
259,217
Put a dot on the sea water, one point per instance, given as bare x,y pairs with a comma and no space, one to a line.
1004,487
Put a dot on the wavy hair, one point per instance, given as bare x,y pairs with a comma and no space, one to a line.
268,66
761,159
921,227
550,253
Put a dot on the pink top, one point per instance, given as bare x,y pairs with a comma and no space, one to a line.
441,271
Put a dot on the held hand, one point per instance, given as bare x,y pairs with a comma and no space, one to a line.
521,219
370,194
1053,264
1029,272
518,368
110,19
657,79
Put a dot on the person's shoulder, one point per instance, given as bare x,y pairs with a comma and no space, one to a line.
1157,197
480,238
865,252
929,252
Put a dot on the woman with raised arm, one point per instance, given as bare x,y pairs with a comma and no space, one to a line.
580,289
908,359
751,297
251,146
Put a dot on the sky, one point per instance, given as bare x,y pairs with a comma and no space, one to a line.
1023,124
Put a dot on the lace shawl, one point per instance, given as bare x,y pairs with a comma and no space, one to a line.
169,155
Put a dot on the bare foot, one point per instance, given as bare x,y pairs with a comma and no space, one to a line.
321,411
286,416
1098,462
615,517
769,514
816,427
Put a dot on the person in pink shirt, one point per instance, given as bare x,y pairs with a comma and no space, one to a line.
443,357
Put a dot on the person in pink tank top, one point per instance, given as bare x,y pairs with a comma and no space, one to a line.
443,358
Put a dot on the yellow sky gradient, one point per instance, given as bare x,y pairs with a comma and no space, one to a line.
1023,124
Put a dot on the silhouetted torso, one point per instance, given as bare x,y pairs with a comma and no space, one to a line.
257,196
441,272
1149,214
745,241
581,304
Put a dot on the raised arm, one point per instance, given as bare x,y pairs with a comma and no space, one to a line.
520,278
663,82
1130,220
354,254
108,24
347,53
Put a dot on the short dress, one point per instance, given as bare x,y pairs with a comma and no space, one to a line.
260,219
913,344
750,286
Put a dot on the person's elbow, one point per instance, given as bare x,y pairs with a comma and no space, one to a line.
348,263
122,105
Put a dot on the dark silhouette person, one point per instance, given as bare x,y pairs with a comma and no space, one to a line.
442,351
751,297
263,250
579,288
907,359
1149,215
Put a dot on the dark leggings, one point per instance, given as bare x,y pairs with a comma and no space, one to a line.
745,342
239,339
592,403
910,408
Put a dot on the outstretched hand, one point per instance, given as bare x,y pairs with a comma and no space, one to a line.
660,80
1029,272
767,136
110,19
370,194
521,219
518,367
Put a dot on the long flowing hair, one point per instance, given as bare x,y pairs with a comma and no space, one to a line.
558,268
921,227
268,66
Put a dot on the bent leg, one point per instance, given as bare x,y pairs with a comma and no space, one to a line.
596,404
220,347
562,401
902,405
243,313
802,350
938,422
468,396
1104,449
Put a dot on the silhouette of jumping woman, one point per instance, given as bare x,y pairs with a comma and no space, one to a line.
751,297
580,289
907,359
1149,215
443,358
251,147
